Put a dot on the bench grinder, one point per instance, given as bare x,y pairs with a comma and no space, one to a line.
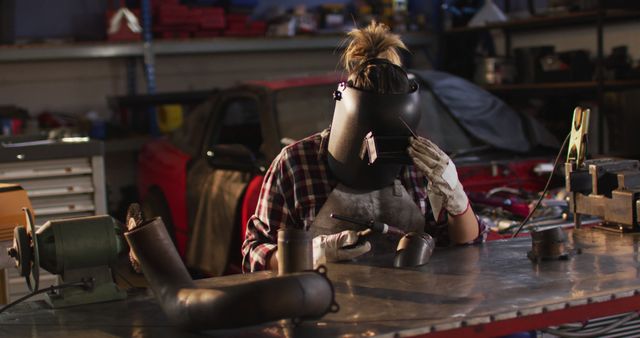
78,250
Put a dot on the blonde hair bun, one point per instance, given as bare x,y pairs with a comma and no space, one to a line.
373,41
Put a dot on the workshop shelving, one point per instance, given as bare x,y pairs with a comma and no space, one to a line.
71,51
561,88
552,21
598,17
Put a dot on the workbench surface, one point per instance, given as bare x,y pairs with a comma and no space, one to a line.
472,286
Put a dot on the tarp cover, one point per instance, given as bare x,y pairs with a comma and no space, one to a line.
485,116
216,214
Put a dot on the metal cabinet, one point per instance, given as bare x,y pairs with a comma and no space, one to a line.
62,180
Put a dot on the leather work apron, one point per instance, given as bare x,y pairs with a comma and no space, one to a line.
392,205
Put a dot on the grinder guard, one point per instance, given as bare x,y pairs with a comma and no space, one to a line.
358,112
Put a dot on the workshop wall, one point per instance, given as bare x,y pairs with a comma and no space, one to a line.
83,85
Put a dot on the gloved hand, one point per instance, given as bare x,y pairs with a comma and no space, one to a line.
444,189
330,248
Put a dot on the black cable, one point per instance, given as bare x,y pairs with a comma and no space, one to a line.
610,327
85,284
546,187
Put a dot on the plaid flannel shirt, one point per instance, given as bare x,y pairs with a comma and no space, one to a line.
297,185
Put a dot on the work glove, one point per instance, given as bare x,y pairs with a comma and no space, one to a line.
444,189
331,248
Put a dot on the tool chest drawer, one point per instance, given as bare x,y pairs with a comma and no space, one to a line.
62,181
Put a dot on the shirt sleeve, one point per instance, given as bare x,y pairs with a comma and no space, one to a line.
273,211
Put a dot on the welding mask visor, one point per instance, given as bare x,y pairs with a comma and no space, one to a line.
358,113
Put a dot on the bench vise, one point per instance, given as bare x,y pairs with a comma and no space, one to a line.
606,188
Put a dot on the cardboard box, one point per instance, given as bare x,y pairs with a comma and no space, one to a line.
12,199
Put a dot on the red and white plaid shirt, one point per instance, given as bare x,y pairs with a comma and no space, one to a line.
298,184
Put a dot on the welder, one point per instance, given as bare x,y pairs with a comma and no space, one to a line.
326,173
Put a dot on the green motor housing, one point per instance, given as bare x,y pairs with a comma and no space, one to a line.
77,249
77,243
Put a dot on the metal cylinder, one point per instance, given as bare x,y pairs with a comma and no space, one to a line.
301,295
78,243
295,251
548,244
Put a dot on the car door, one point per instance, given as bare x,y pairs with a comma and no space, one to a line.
217,179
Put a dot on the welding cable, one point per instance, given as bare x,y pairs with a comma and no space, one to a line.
121,275
546,187
610,327
84,284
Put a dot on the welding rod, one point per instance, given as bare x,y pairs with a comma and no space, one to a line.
407,125
379,227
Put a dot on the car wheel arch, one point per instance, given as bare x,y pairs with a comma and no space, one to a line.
155,204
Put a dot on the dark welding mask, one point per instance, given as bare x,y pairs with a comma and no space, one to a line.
361,116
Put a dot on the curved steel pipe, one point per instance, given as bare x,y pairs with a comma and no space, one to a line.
300,295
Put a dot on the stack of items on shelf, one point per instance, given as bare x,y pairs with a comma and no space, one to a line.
620,65
172,19
211,19
175,20
239,22
12,120
339,17
543,64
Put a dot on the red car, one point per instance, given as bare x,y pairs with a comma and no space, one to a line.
243,128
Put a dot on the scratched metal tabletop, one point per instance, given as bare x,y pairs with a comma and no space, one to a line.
460,286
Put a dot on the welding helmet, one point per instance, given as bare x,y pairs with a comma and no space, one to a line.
358,113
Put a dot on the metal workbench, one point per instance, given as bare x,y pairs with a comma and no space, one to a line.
483,290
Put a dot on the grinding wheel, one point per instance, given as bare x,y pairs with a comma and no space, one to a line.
21,251
134,219
33,279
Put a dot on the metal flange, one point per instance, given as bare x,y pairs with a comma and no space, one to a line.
21,251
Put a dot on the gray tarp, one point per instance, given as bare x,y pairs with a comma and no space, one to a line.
485,116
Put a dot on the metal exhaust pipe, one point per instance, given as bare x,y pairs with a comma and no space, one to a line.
300,296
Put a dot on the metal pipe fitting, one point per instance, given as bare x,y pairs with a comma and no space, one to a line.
295,251
414,250
300,295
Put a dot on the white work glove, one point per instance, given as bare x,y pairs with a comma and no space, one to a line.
330,248
444,189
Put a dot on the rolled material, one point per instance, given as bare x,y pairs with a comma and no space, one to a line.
300,295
